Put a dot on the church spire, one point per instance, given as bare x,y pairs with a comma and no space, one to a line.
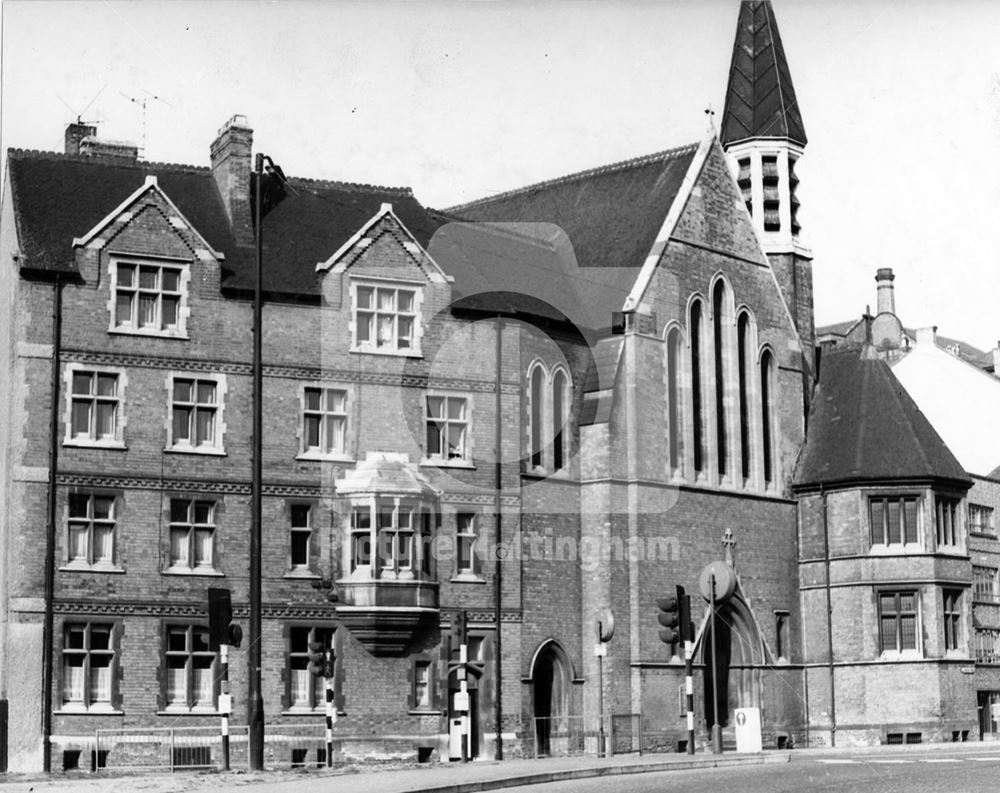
760,99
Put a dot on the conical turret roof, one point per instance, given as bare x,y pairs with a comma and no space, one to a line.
760,99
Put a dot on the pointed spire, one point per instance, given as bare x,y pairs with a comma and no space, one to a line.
760,99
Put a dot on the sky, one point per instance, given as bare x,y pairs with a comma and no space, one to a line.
459,100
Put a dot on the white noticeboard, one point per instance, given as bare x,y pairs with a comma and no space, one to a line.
748,730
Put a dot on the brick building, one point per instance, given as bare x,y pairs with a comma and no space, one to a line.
898,526
536,409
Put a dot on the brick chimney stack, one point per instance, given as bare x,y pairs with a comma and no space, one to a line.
75,133
231,167
886,296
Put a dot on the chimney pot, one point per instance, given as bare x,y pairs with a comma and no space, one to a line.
75,133
886,296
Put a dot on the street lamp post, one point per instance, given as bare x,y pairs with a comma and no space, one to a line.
255,717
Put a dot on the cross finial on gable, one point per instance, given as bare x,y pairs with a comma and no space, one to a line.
729,543
710,113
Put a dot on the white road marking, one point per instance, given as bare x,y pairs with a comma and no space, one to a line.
838,762
894,762
942,760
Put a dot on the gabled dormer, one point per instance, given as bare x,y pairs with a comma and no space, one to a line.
387,286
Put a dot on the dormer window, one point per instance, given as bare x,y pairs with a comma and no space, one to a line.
148,297
386,318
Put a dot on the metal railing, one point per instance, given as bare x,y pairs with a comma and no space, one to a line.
166,748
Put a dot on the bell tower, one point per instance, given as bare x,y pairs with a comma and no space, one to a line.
763,137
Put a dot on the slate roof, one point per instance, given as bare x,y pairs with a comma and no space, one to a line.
608,216
865,428
760,99
59,197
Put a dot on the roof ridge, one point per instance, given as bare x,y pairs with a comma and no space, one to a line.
42,154
598,171
305,181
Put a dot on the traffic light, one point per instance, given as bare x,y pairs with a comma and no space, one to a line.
674,616
458,633
317,658
220,615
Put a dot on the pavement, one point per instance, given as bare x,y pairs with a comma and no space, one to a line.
454,777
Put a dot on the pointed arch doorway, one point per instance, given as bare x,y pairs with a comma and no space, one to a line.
739,661
551,681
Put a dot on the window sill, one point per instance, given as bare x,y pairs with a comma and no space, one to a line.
303,574
467,578
78,567
159,334
321,457
905,655
317,711
207,451
430,462
424,712
195,572
83,710
895,549
386,353
989,535
182,710
80,443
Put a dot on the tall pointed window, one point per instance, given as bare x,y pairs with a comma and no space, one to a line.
537,411
559,413
697,407
766,414
743,343
720,327
675,443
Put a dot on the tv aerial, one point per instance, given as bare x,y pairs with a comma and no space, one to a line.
142,102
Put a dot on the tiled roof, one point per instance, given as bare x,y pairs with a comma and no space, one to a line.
760,99
837,329
610,217
865,427
58,198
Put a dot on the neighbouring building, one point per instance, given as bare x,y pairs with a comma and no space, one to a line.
536,409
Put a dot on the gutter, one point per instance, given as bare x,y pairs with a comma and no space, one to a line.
48,642
829,622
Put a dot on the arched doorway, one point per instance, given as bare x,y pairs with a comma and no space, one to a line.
551,678
739,659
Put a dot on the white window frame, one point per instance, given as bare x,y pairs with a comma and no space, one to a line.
86,702
177,330
90,439
192,525
440,460
90,521
541,419
297,661
320,453
472,535
422,523
371,345
306,530
885,546
217,446
189,705
986,526
981,572
949,535
954,618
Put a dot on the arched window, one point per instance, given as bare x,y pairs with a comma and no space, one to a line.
559,414
536,396
675,443
743,350
720,327
697,408
766,414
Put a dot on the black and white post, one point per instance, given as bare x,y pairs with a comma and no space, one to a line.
688,629
331,713
225,704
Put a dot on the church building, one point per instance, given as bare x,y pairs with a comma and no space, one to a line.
514,421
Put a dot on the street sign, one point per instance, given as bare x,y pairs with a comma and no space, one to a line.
600,649
748,730
725,582
461,701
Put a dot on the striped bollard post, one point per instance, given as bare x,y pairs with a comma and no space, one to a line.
331,718
225,706
689,683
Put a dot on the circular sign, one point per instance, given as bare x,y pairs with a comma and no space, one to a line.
606,626
725,582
